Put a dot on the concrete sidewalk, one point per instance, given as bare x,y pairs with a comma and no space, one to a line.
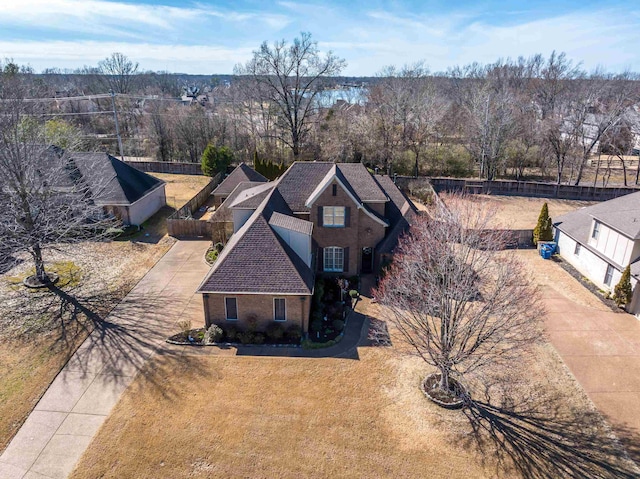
73,408
602,350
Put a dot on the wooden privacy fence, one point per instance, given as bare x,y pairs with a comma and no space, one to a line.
166,167
520,239
517,188
181,222
189,228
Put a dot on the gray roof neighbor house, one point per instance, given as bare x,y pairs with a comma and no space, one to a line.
620,214
112,181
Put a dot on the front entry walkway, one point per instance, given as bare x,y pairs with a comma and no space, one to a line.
73,408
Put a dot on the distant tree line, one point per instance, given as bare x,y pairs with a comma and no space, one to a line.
536,117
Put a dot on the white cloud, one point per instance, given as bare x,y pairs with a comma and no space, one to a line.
368,40
177,58
460,38
74,15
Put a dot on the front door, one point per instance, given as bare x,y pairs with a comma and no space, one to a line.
367,260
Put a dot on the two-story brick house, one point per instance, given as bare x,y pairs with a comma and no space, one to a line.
318,218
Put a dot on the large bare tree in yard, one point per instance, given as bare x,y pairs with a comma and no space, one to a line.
291,75
459,300
45,200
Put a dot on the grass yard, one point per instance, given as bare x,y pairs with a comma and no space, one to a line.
276,417
520,212
181,188
29,362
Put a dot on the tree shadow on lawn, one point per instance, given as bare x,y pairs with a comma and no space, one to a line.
546,438
122,333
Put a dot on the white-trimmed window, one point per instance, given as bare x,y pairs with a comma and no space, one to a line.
279,309
231,308
576,251
333,259
596,230
333,216
608,276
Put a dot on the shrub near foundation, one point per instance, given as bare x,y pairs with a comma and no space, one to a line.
214,334
275,331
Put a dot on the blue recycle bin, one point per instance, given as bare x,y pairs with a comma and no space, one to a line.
547,250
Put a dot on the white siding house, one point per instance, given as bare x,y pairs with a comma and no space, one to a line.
600,241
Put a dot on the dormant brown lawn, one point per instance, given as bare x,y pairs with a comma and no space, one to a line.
29,364
275,417
269,417
519,212
181,188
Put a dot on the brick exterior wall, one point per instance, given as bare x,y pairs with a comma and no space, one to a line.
258,305
362,231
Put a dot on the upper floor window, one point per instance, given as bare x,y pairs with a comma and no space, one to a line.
596,230
333,216
334,259
577,249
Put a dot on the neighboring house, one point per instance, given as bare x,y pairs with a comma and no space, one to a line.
241,173
318,218
601,240
131,195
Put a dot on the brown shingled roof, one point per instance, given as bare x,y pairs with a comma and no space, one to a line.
241,173
299,181
291,223
252,197
362,182
256,260
302,178
399,211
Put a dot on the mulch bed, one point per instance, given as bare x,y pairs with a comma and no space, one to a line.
195,337
34,283
452,399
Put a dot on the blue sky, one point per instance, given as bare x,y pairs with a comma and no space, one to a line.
212,36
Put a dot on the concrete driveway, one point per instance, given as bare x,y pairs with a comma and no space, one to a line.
602,350
73,408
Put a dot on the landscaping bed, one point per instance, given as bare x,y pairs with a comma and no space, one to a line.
452,399
597,292
276,334
211,256
332,301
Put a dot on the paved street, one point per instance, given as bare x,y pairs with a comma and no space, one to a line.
73,408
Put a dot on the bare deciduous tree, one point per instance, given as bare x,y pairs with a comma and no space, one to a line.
118,72
45,199
406,108
456,298
488,106
290,75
